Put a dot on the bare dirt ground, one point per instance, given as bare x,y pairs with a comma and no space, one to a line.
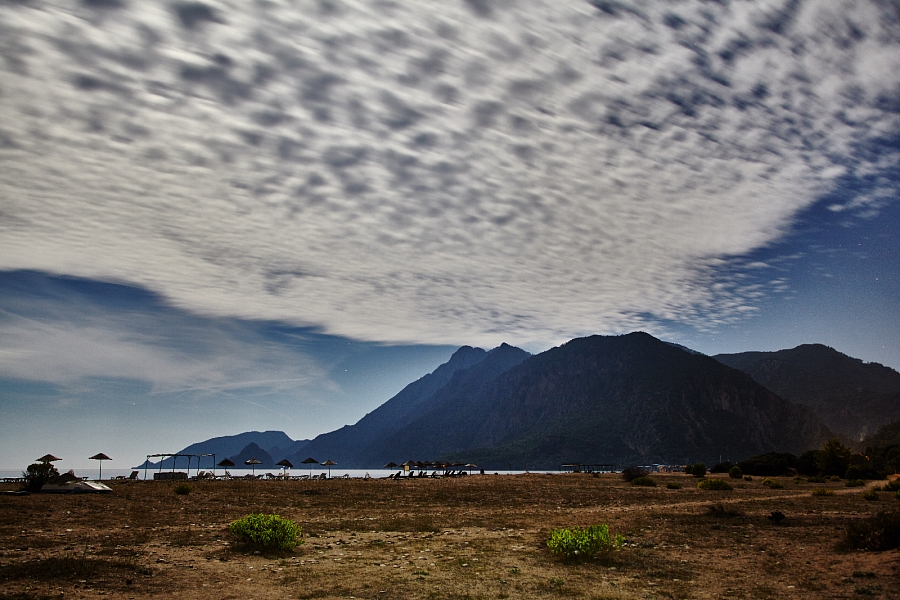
482,536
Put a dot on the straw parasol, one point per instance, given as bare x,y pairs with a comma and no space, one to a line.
225,462
285,463
328,463
48,458
253,462
309,461
390,465
100,457
471,466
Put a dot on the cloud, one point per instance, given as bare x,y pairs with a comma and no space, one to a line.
72,341
435,172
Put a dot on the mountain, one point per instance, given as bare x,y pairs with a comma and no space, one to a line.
888,435
851,397
624,399
275,442
351,445
252,450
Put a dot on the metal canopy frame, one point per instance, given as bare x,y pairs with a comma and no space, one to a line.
174,458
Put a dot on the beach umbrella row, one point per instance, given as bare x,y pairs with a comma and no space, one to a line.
49,458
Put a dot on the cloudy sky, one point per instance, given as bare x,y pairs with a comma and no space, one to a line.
229,215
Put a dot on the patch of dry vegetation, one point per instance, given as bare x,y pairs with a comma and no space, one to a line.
472,537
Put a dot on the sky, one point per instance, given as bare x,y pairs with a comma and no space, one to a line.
225,216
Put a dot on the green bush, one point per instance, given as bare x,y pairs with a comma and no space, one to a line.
645,481
815,479
735,472
36,475
677,486
870,494
697,470
714,484
183,489
819,491
772,484
266,532
880,532
855,483
583,543
834,478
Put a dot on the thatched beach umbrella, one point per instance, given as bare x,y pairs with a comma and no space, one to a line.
285,463
48,458
253,462
309,461
100,457
225,462
390,465
328,463
471,466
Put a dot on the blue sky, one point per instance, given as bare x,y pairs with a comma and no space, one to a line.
223,216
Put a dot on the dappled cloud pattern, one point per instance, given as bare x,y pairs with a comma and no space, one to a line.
434,171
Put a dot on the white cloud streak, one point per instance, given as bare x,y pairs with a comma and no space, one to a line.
432,171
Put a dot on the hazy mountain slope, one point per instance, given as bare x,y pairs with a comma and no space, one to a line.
620,399
851,397
451,399
888,435
230,445
346,445
252,450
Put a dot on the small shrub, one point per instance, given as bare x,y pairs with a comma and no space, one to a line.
870,494
891,486
834,478
879,532
632,472
697,470
714,484
644,481
677,486
815,479
855,483
819,491
748,478
772,484
584,543
266,532
799,480
735,472
183,489
718,510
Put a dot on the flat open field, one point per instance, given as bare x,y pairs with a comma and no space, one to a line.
481,536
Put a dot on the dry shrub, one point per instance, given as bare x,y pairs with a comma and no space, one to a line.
879,532
719,511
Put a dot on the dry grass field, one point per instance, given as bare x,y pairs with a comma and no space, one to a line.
482,536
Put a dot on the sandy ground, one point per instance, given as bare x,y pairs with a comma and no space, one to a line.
469,537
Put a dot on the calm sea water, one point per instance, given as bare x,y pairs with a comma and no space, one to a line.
109,473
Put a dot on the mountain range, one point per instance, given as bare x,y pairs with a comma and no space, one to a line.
853,398
604,399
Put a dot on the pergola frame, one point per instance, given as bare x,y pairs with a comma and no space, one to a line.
174,458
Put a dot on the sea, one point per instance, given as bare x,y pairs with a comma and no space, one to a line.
109,473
